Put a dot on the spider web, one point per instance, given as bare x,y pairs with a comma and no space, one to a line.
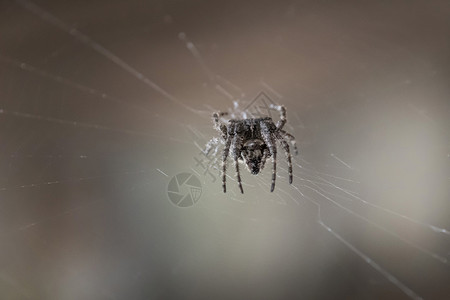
90,142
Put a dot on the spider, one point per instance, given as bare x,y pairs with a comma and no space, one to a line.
253,140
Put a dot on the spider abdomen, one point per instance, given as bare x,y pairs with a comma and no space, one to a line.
254,153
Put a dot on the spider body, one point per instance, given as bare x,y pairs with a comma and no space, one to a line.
253,141
252,149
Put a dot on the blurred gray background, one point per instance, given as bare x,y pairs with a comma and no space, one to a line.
103,102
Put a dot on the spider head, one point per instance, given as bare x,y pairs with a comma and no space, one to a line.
252,153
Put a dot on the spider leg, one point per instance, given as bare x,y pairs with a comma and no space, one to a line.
282,110
264,158
237,149
285,146
212,142
236,163
274,168
269,138
224,163
291,139
218,125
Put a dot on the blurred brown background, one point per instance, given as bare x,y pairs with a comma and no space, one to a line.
103,102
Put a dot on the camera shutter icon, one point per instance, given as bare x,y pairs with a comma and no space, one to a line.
184,190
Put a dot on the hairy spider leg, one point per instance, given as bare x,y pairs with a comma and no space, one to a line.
264,158
291,139
224,162
209,146
282,110
274,168
236,163
237,149
220,126
285,146
268,137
